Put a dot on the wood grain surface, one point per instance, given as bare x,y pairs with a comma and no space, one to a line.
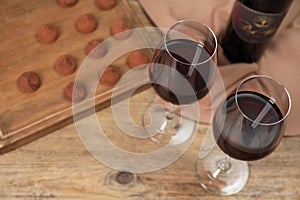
58,166
28,116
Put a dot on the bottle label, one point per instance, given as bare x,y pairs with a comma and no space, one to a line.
253,26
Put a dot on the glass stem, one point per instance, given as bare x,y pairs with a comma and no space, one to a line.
223,165
170,112
169,118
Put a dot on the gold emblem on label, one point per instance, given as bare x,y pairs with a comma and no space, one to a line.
261,25
262,21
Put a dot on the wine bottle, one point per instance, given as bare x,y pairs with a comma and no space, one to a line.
252,25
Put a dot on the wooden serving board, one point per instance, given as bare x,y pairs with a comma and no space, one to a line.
25,117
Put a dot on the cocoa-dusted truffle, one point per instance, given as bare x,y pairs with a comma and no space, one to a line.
75,92
28,82
47,33
110,76
99,52
65,65
105,4
137,57
66,3
123,27
86,23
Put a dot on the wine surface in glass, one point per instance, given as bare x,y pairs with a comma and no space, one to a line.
241,138
179,56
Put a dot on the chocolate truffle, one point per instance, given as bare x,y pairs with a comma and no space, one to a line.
86,23
137,57
121,26
47,33
66,3
78,89
99,52
29,82
110,76
105,4
65,65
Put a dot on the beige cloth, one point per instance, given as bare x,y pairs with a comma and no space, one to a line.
280,60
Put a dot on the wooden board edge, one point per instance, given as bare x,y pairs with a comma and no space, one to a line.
41,128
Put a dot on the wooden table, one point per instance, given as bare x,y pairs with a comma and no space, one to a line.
58,166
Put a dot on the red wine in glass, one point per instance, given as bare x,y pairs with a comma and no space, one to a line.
248,125
182,71
180,55
240,137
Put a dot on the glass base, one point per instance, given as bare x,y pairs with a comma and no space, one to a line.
163,126
219,174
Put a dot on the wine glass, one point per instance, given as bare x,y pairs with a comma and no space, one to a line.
181,72
247,126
